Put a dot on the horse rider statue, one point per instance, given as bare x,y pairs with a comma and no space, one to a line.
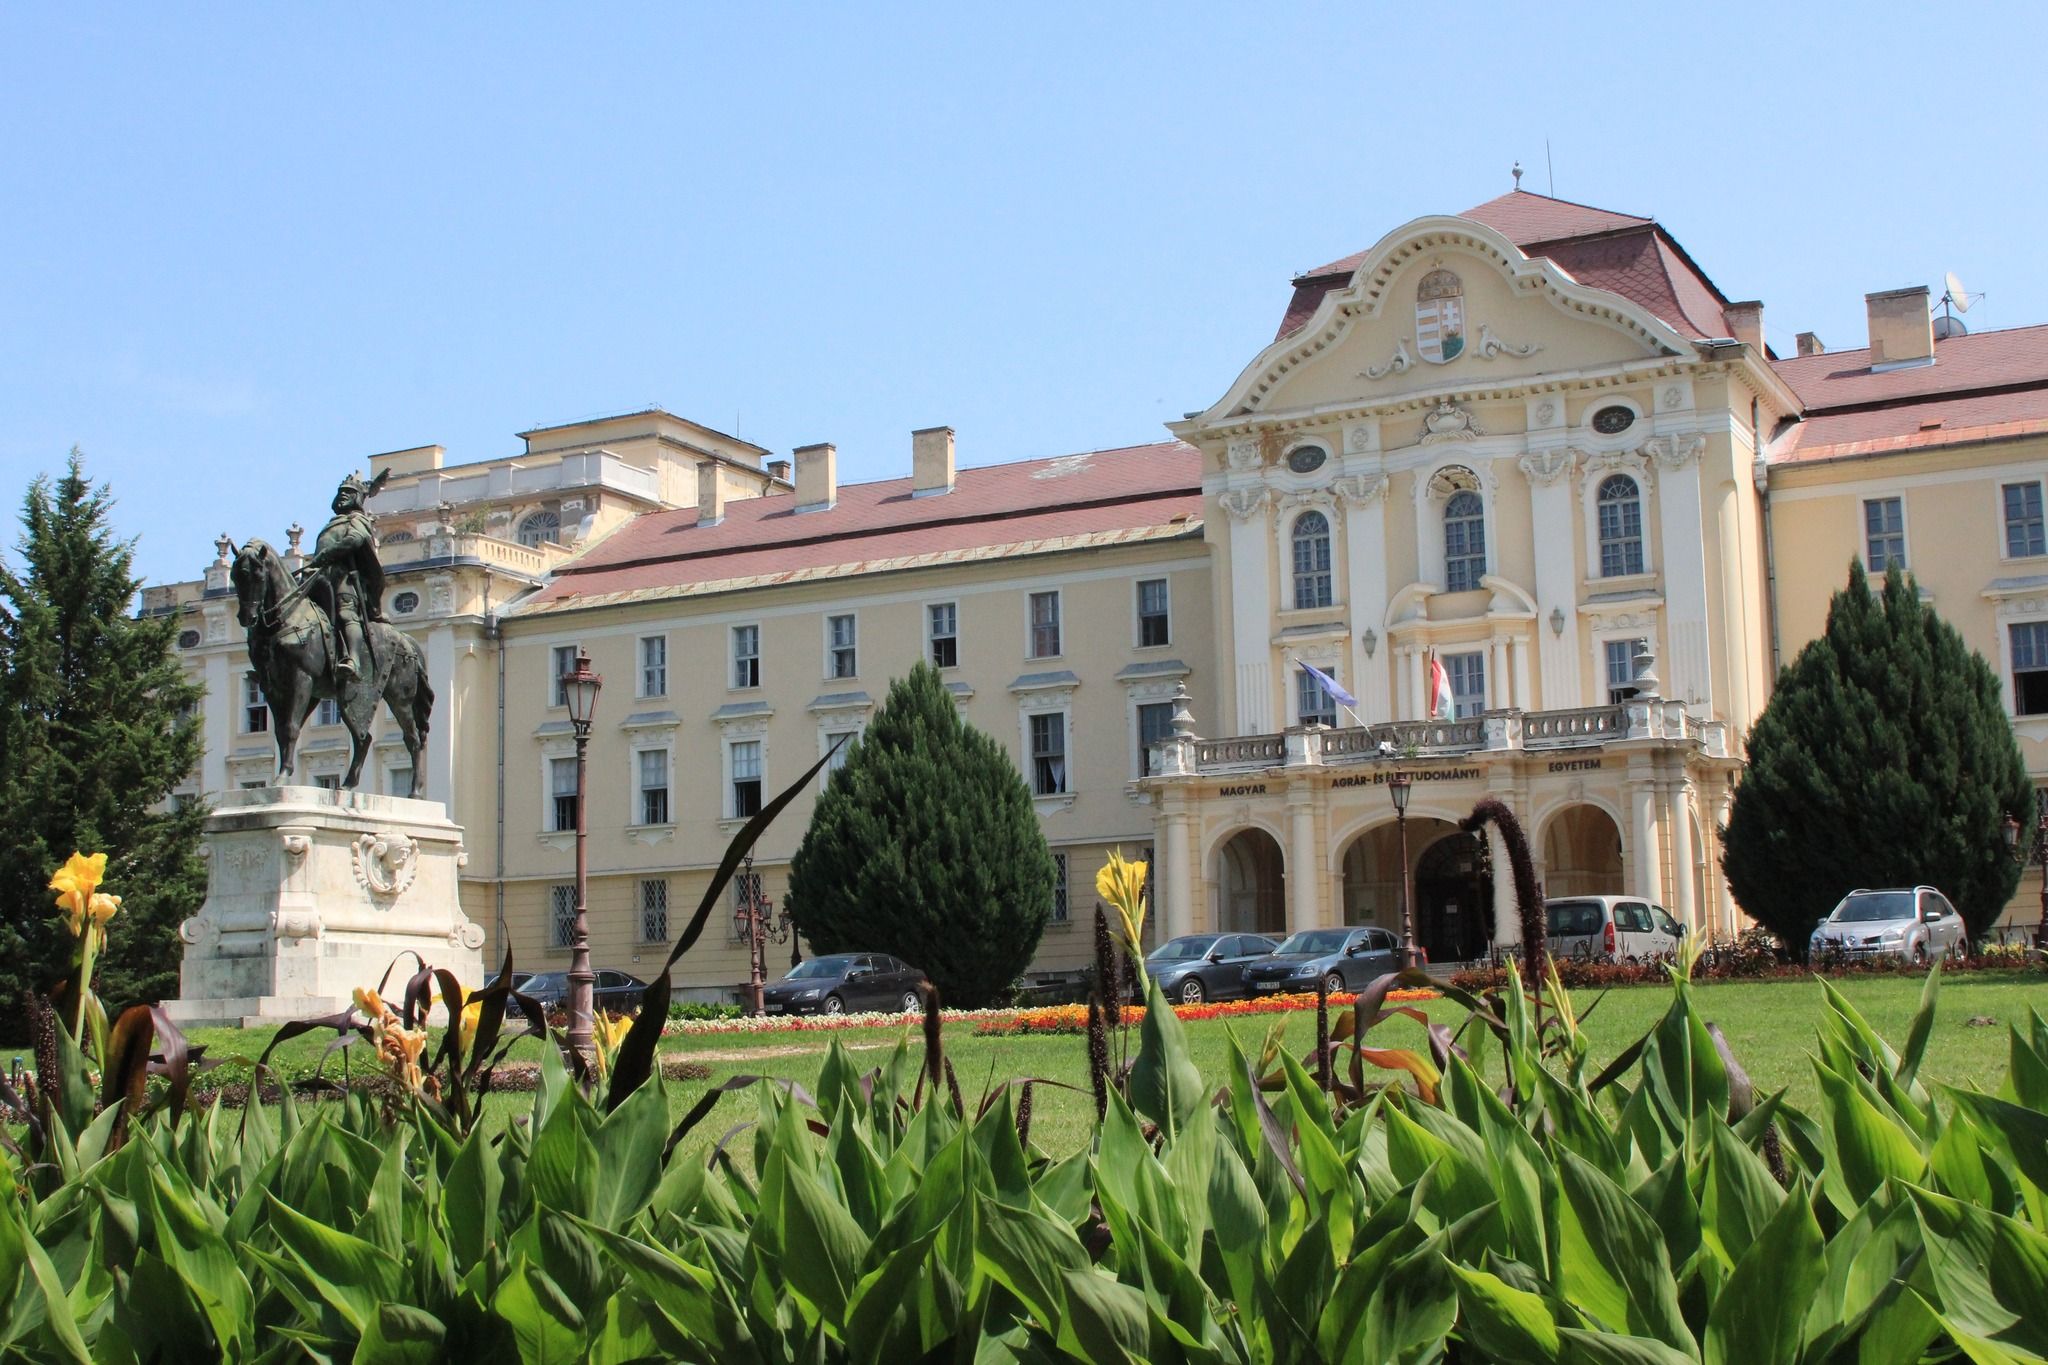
345,578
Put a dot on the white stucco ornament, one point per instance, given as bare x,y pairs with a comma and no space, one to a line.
1400,362
1448,422
1492,347
1676,452
1244,503
1243,453
1548,466
385,863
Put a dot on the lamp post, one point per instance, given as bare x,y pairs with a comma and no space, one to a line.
2039,855
1399,785
757,926
581,687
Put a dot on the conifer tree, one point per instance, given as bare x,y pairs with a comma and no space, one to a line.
1883,759
94,736
925,845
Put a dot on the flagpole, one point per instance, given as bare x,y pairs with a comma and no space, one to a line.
1356,719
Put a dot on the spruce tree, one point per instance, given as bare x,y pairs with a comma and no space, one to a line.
1883,759
93,738
925,845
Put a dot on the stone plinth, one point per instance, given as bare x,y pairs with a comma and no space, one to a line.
312,893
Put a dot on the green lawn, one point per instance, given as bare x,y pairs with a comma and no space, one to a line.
1769,1025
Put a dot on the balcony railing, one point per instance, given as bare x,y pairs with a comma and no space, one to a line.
1591,724
1254,749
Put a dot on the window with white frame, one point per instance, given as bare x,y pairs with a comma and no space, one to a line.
562,915
1884,533
2025,533
654,910
561,794
1621,658
654,665
1313,704
844,740
1045,625
841,658
1468,682
255,711
398,780
542,528
1059,888
1049,753
1311,541
1619,506
2030,668
1154,620
328,712
1155,723
1464,541
746,656
746,778
328,782
561,663
942,629
653,777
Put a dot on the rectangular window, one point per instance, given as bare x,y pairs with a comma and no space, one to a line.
1884,533
746,656
1045,625
397,781
654,665
2025,534
561,663
1468,682
844,739
654,910
1621,668
2030,668
328,782
654,787
255,712
1059,888
841,660
1049,753
328,713
1153,620
746,778
562,793
1315,706
1155,723
942,623
562,915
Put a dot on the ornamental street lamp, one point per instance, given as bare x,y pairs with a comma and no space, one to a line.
755,924
1399,785
2039,854
580,687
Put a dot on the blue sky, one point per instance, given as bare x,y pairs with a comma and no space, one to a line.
240,253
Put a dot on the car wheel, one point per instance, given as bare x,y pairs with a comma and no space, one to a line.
834,1005
1959,951
1334,982
911,1004
1191,991
1920,954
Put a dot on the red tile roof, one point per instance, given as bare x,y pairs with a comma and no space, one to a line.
1962,364
1914,425
1101,496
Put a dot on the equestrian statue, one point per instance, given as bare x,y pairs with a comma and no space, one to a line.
322,636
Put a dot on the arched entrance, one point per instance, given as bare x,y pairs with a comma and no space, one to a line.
1251,889
1582,854
1453,899
1372,871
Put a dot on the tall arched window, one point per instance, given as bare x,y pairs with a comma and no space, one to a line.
1311,561
1620,505
1464,541
541,528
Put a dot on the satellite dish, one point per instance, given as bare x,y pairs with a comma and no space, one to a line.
1946,327
1958,295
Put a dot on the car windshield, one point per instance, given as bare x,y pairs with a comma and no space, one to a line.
1867,906
1315,942
1574,917
1181,949
819,967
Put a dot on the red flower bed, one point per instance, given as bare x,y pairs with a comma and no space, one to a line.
1062,1019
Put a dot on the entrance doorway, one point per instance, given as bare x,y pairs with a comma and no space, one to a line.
1582,854
1454,899
1251,888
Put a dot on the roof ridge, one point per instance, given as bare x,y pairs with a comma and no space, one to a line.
1571,203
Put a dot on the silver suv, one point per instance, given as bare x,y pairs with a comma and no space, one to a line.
1915,922
1611,928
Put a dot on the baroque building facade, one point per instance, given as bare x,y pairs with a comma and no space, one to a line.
1529,454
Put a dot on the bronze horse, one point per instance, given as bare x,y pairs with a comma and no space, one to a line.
292,650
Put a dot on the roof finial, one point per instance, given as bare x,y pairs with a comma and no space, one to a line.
1517,173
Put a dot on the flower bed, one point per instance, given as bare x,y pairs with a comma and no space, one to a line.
1011,1022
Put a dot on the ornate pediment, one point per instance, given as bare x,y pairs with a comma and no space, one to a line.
1447,421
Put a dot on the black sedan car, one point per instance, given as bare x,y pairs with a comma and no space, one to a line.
1198,967
1345,959
846,983
613,992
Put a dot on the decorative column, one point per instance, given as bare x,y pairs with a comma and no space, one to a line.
1499,684
1416,705
1688,672
1518,649
1178,885
1304,862
1642,786
1557,588
1251,596
1684,904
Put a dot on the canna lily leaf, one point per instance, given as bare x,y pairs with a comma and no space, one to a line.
1759,1313
1165,1085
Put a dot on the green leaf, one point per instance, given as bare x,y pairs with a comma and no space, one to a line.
1413,1308
1759,1313
628,1147
562,1169
1869,1148
1104,1321
822,1247
1921,1029
2020,1132
1508,1326
1739,1196
353,1275
469,1199
1582,1347
547,1328
1027,1254
1990,1271
1165,1085
400,1335
1612,1262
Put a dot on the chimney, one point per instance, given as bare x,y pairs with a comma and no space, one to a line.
1746,323
710,494
817,477
1901,328
931,461
1809,344
779,469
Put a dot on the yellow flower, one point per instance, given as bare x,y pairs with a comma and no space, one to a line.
466,1026
75,883
1121,885
103,907
370,1003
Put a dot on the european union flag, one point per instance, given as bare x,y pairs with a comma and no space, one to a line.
1330,685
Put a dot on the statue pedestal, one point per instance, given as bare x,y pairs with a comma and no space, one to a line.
312,893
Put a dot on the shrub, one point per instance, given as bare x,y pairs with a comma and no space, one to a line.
703,1009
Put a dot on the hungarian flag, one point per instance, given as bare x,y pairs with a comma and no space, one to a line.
1442,705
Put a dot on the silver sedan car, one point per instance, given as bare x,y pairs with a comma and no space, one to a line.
1914,922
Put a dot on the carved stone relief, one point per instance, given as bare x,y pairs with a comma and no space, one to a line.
384,864
1449,422
1360,490
1492,347
1676,452
1244,503
1399,363
1548,466
1243,453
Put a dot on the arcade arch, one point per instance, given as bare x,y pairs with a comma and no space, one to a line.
1582,853
1250,885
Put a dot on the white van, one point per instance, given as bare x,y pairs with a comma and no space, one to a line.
1611,928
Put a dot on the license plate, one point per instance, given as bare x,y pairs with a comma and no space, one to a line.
772,1008
1265,985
